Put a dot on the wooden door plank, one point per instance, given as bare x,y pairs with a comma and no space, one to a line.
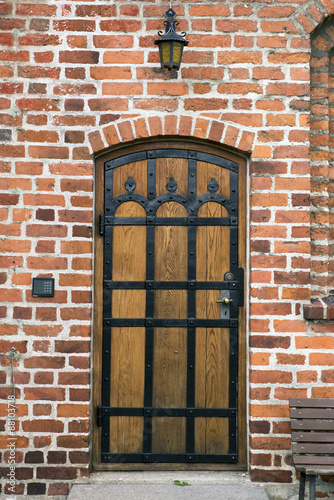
165,168
129,246
170,368
126,434
212,435
127,367
136,170
207,171
168,435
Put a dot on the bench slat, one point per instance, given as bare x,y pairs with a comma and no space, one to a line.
313,460
315,469
325,425
312,402
313,437
321,448
312,413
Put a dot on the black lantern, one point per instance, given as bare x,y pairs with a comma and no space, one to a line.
171,44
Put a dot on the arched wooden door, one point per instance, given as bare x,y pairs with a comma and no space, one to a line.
173,249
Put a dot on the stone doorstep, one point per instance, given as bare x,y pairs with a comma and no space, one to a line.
160,486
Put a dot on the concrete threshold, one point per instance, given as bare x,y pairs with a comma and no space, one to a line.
176,485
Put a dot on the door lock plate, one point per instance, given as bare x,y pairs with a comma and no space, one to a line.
224,302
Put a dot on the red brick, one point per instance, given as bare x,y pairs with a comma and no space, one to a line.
74,25
126,26
113,41
44,393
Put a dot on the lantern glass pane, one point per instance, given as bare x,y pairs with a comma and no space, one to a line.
165,50
177,51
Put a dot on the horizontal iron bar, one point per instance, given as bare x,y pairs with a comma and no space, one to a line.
172,285
108,411
168,221
157,322
167,458
171,153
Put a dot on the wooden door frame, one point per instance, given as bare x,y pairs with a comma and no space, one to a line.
118,151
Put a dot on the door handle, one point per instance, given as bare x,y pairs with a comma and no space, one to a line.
226,300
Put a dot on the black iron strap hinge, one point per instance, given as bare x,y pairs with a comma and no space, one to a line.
99,416
101,225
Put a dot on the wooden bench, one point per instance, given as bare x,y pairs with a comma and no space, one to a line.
312,434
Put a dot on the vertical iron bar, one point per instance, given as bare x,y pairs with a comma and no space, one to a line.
106,361
191,334
149,331
233,389
106,338
233,375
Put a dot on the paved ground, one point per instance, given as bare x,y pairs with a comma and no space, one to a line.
161,486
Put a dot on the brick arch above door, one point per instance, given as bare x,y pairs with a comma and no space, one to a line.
187,126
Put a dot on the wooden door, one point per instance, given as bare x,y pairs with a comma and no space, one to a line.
172,390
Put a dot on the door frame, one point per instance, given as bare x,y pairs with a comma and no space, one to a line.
121,150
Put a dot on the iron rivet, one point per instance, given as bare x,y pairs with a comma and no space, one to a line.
151,174
190,458
108,209
105,434
200,201
233,190
130,197
108,189
151,192
108,262
190,412
192,175
148,366
212,197
119,201
191,253
192,192
107,352
150,253
106,379
191,367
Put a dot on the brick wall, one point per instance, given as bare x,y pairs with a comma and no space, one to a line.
78,77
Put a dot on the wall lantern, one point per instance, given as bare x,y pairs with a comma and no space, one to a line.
170,44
